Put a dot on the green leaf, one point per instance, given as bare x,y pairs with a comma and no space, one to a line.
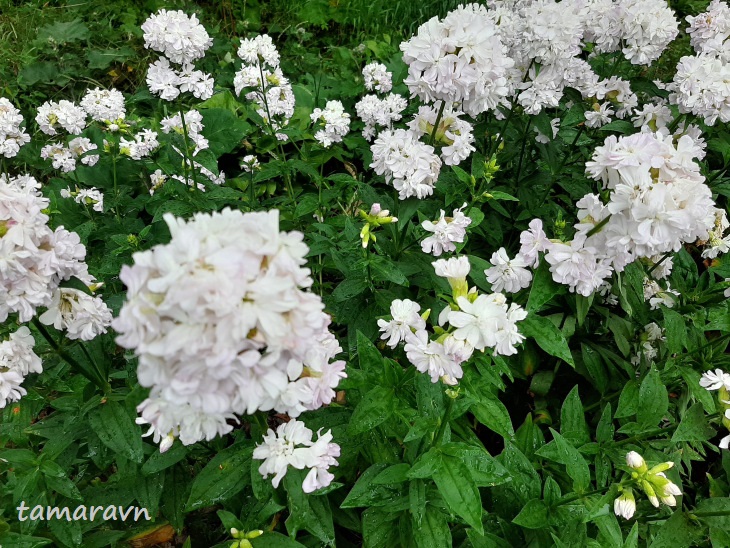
547,336
561,451
224,476
694,426
653,400
349,288
62,33
433,530
492,413
676,330
605,428
676,532
375,408
398,473
533,516
160,461
312,514
573,424
223,129
366,493
15,540
456,486
117,430
628,401
543,288
271,539
485,469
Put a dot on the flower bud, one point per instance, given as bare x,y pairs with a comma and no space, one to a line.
625,505
635,461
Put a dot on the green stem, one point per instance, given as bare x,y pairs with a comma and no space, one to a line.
647,434
442,427
436,125
188,163
114,179
660,261
93,376
577,496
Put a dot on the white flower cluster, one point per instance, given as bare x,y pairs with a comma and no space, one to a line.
409,165
222,326
718,243
292,445
141,145
719,380
374,112
82,316
64,158
17,361
63,114
193,167
250,163
193,121
104,105
336,123
453,134
658,201
12,136
377,78
657,295
459,59
447,232
476,322
36,259
268,88
508,275
649,339
700,84
92,196
182,40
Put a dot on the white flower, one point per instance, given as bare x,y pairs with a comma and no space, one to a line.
377,77
408,164
193,126
292,445
715,380
179,37
64,114
455,268
17,360
487,322
634,460
599,116
625,505
223,326
82,316
554,127
379,112
12,135
336,123
261,48
430,357
104,105
533,242
250,163
447,231
508,275
405,320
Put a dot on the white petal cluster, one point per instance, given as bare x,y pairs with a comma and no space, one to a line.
508,275
91,196
718,243
375,112
447,232
179,37
63,114
193,127
533,241
658,199
265,83
658,296
168,82
652,335
292,445
459,59
12,135
715,380
104,105
488,322
700,85
64,158
336,123
405,319
377,78
34,259
652,117
17,360
409,165
82,316
453,134
250,163
223,327
141,145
